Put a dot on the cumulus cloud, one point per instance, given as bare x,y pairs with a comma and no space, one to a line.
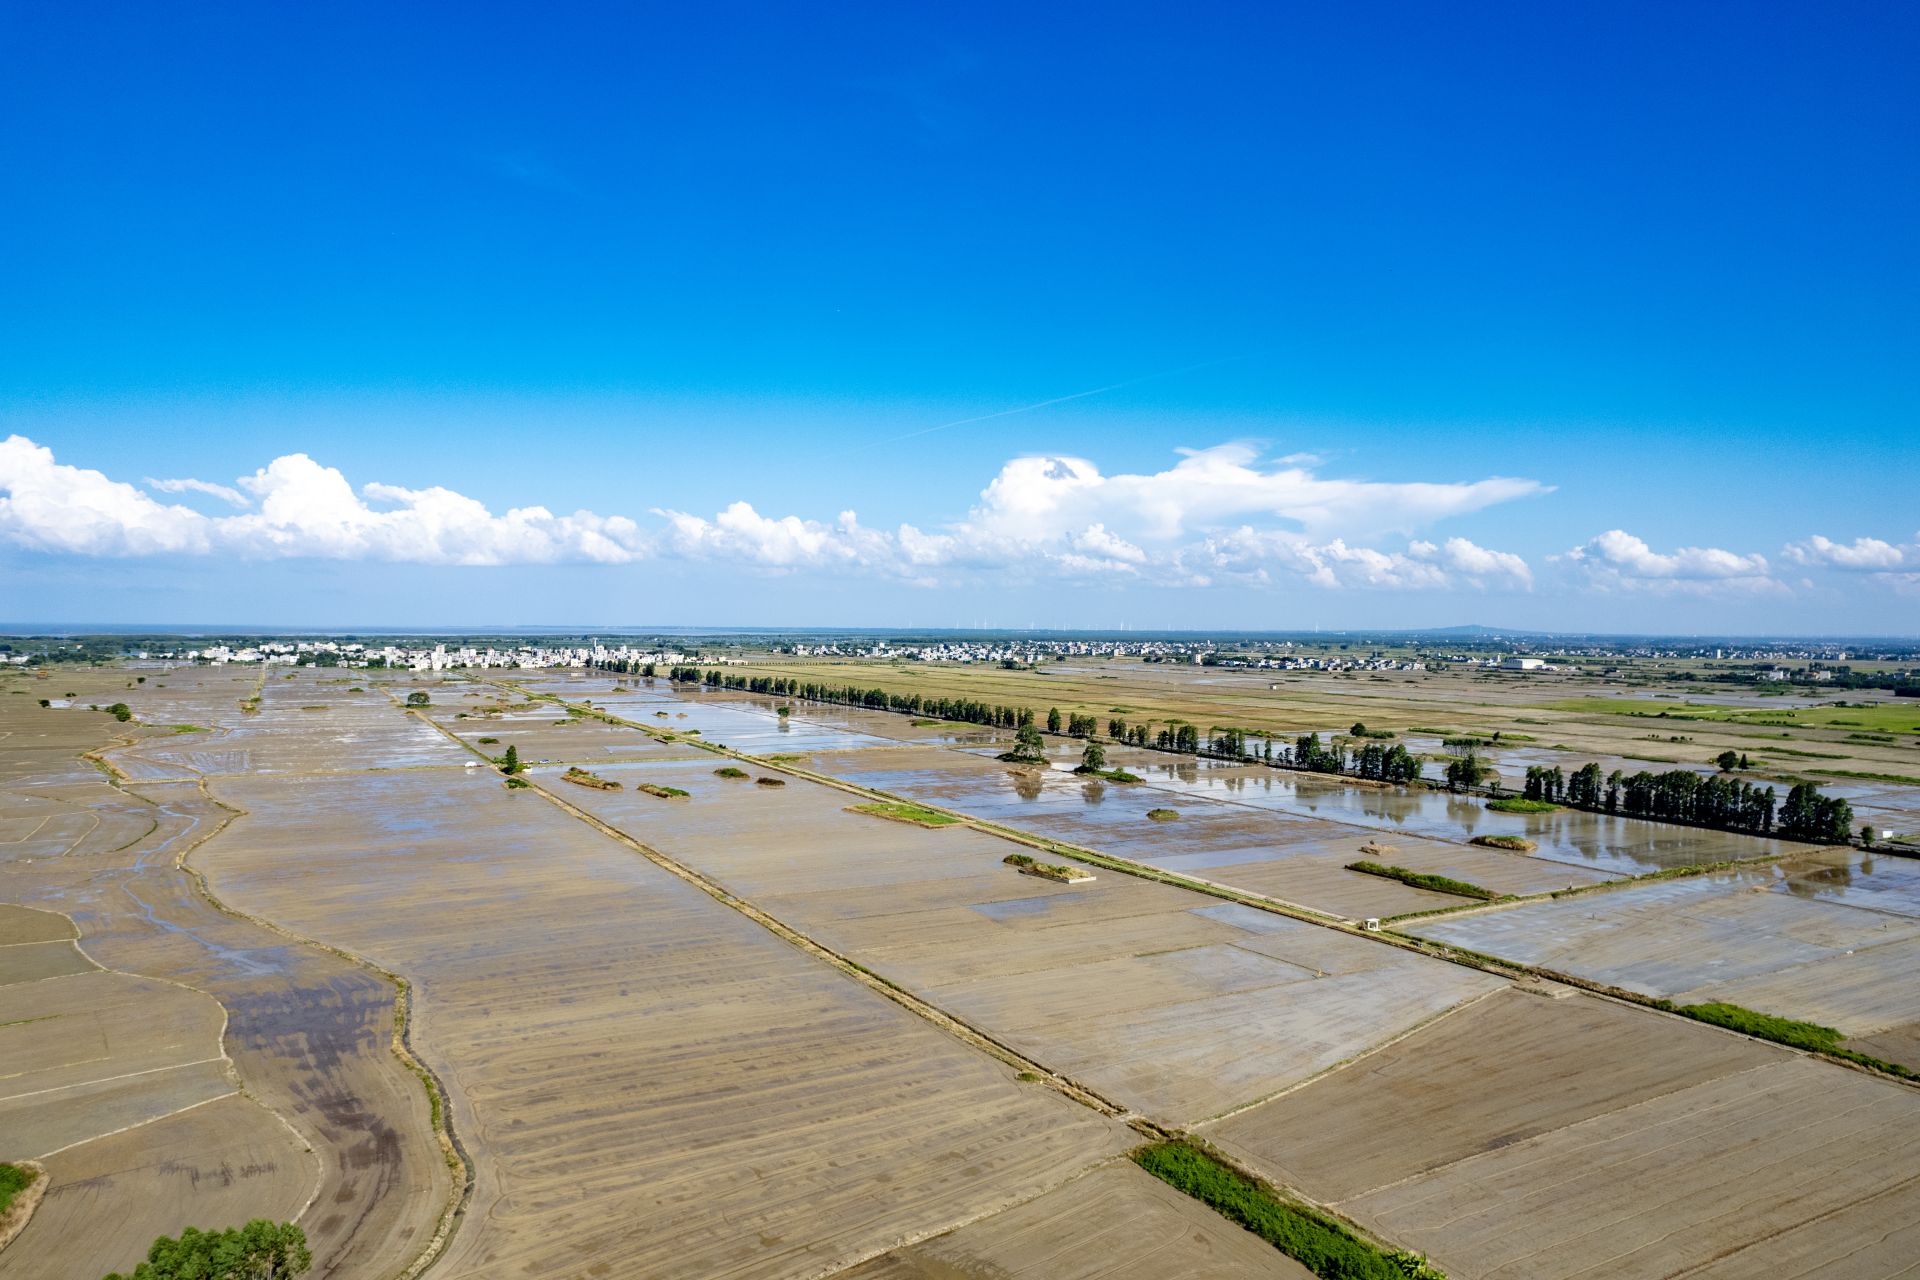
223,492
1266,556
1034,499
1617,558
50,506
305,509
1218,514
1862,555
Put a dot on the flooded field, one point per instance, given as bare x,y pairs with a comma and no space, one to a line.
331,1128
618,1045
1830,937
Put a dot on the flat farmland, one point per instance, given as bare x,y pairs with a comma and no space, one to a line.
223,1162
1530,1137
101,1073
1170,1002
649,1083
1564,717
1117,1223
1831,937
305,1031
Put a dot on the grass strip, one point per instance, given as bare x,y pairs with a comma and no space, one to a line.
912,814
1810,1036
1423,880
1902,778
1516,844
1520,804
1316,1241
664,793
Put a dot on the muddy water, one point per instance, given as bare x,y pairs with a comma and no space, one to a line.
1110,817
307,1031
1596,840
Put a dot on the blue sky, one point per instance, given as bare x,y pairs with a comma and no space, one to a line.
1570,316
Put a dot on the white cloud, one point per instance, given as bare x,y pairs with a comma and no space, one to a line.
742,534
1864,555
1210,516
1038,498
220,491
1617,558
49,506
1264,557
1478,565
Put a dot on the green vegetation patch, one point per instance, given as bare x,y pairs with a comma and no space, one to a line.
1046,870
581,778
1810,1036
189,728
664,793
728,771
1887,717
13,1180
1765,1026
1424,880
1108,775
787,758
1907,779
1517,804
261,1250
517,784
1318,1242
1516,844
913,814
769,782
1164,815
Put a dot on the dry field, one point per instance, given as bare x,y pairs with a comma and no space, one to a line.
1117,1223
1549,1138
649,1083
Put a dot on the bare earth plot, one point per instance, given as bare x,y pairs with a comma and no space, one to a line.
1829,937
1167,1001
651,1084
1117,1223
1539,1138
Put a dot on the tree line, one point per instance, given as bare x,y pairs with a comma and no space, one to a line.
1680,795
